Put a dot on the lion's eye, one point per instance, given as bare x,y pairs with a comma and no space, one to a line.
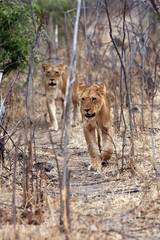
48,72
57,72
82,99
93,99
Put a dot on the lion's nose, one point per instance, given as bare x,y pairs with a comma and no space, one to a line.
87,109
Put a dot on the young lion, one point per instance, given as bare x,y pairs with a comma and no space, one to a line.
55,86
95,109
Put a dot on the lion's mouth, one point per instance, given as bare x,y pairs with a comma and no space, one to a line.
87,115
52,84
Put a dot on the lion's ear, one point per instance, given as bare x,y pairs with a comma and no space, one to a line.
61,66
80,88
102,89
44,66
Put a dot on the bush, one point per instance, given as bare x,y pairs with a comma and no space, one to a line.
16,35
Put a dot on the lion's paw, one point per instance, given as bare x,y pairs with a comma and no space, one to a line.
73,124
94,168
91,168
106,155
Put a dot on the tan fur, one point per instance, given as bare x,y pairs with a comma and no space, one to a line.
55,86
95,109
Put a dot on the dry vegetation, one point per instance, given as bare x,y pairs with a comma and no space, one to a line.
121,202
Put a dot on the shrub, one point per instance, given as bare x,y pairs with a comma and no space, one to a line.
16,35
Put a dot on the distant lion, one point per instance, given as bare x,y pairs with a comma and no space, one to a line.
95,109
55,86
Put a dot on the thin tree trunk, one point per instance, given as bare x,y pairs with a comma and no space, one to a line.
67,123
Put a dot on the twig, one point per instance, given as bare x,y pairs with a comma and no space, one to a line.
14,185
155,7
143,69
32,16
132,190
5,132
124,235
114,148
153,147
126,84
29,91
67,122
8,96
59,177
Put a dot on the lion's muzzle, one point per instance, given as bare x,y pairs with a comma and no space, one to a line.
89,115
52,83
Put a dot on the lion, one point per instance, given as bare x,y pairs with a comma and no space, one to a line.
55,87
95,110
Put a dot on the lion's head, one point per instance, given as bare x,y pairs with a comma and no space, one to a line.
53,74
92,98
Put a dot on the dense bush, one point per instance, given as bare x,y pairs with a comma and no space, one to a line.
16,28
16,35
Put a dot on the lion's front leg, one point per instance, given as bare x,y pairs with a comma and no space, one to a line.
62,113
76,113
92,148
52,114
107,144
